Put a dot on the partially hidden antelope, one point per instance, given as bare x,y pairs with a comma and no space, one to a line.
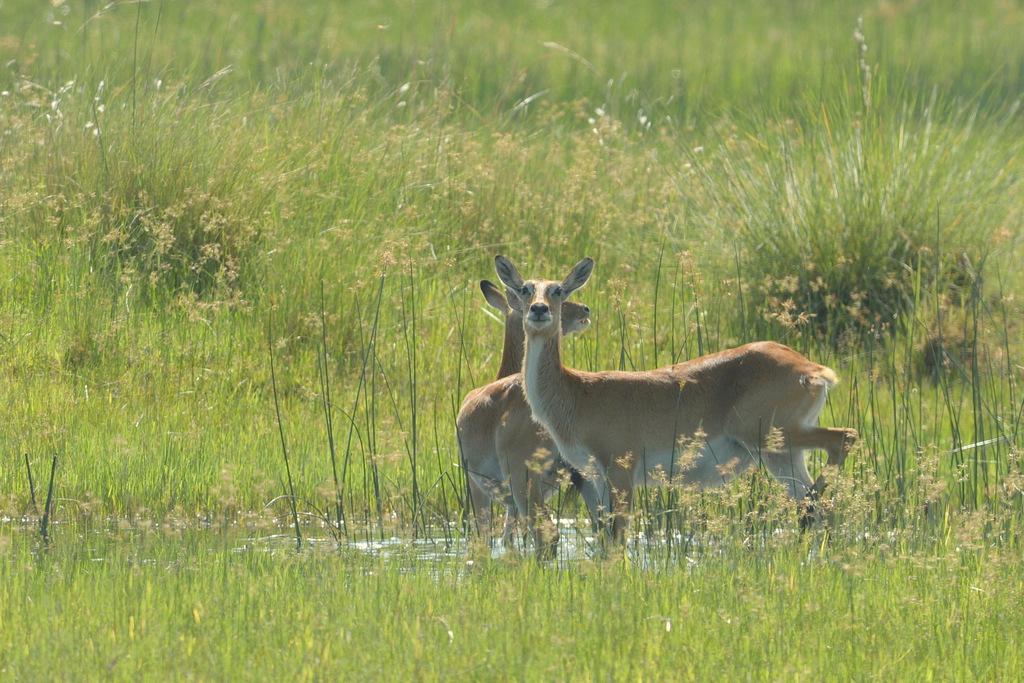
701,422
508,457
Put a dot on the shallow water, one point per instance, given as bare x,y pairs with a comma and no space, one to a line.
442,549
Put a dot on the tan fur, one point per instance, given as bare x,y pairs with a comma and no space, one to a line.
758,403
509,458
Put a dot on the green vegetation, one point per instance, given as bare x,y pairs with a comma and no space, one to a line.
168,603
189,191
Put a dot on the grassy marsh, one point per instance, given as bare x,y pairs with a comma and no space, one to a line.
180,603
189,188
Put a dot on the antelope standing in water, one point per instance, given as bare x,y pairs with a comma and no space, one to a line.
508,457
758,403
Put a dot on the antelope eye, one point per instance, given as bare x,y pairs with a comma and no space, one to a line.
525,291
556,291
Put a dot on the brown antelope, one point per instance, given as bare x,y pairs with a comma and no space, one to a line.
508,457
758,403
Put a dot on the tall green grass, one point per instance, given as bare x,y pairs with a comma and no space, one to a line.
847,214
164,602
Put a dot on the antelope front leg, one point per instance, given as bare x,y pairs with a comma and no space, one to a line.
620,480
481,508
508,534
528,489
545,530
597,498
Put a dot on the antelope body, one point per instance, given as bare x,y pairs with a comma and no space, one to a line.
699,422
508,457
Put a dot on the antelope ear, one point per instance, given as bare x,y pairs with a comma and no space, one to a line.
507,273
515,301
494,296
578,277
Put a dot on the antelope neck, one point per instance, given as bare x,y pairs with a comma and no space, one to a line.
512,349
543,371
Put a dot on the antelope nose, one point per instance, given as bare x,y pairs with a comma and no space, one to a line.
538,309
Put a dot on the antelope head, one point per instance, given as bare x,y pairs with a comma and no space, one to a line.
541,300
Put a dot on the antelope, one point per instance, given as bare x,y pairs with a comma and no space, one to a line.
508,457
700,422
